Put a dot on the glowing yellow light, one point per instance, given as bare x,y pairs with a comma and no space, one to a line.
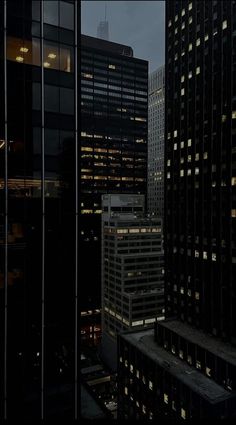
24,49
52,55
46,64
19,59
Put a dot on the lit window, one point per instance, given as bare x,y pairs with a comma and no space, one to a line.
183,413
205,155
182,92
189,142
233,115
176,18
175,133
189,359
198,70
181,354
144,409
233,181
182,160
182,290
190,6
165,398
208,371
176,30
190,20
190,74
144,380
198,364
176,56
121,360
213,257
169,136
150,385
206,37
168,175
150,415
183,12
173,405
182,145
182,79
196,171
224,25
197,295
137,403
204,255
175,146
197,157
126,391
137,373
189,292
131,368
126,363
168,164
196,254
183,26
181,173
111,66
169,23
198,42
189,158
190,47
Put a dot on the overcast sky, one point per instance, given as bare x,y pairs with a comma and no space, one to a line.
139,24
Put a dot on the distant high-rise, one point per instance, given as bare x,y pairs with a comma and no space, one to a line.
193,352
156,122
103,30
103,27
132,269
113,143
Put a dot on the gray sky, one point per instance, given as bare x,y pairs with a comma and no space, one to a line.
139,24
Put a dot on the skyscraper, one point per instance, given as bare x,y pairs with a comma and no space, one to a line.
38,209
156,129
194,350
113,143
132,269
103,27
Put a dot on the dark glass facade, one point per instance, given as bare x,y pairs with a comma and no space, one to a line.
114,88
38,209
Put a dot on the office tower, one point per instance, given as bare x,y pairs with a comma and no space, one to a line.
132,269
113,144
103,30
196,344
156,121
38,205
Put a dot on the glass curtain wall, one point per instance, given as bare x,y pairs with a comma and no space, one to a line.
38,209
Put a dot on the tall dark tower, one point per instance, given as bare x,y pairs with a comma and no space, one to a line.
194,355
103,27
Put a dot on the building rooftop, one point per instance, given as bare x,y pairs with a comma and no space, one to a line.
219,348
199,383
109,46
90,409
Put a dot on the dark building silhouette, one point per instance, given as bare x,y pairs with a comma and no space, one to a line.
113,145
38,206
193,352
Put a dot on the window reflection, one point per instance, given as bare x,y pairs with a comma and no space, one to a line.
28,52
23,51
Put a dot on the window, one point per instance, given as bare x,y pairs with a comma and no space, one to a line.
190,6
183,413
182,92
189,142
51,94
182,78
66,101
190,47
50,10
66,15
224,25
198,42
198,70
165,397
23,51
